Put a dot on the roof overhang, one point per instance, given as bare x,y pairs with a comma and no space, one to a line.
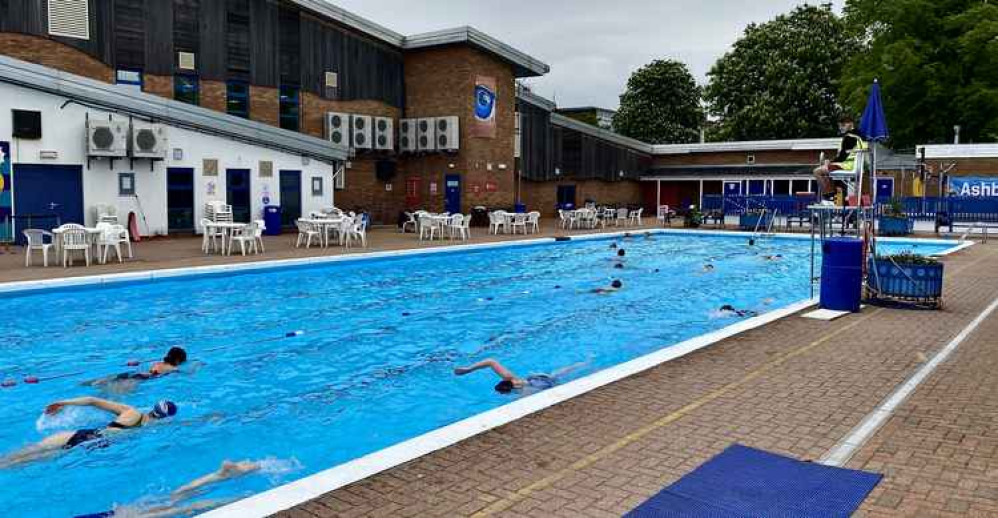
748,146
523,64
600,133
102,95
531,98
943,151
713,172
351,20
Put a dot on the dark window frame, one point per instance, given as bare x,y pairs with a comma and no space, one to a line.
195,82
244,97
123,189
291,120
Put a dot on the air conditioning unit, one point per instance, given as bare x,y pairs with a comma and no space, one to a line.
107,137
448,134
426,134
407,135
384,133
148,140
338,128
362,131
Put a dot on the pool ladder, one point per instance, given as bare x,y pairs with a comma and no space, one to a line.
769,226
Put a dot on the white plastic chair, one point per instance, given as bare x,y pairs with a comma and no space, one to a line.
456,226
36,241
622,216
563,218
210,234
664,214
534,221
466,229
410,221
635,217
245,236
306,231
74,239
358,231
519,222
111,236
260,227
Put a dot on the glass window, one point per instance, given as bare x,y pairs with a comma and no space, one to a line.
126,184
237,99
129,78
317,186
185,89
289,107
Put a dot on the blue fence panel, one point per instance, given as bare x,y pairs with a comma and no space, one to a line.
960,208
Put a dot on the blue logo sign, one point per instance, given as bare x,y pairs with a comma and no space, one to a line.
485,103
973,186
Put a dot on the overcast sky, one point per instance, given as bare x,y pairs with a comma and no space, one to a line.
591,45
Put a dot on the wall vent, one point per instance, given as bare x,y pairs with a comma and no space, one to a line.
69,18
185,61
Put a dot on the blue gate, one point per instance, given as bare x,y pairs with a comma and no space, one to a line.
46,196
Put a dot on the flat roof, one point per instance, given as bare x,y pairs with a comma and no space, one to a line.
527,96
575,109
98,94
814,144
594,131
524,65
718,172
958,151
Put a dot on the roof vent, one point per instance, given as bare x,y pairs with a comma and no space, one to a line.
69,18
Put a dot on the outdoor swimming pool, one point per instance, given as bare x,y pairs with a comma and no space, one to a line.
373,366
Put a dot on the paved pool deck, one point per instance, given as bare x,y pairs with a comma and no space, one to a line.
796,387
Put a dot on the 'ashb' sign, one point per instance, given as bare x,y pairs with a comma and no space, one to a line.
974,186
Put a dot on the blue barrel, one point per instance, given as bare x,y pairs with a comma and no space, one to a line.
272,219
841,274
520,208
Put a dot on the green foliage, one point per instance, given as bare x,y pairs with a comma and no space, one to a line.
661,105
587,117
895,209
908,258
937,61
781,79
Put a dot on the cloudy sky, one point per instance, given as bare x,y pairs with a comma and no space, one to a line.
591,45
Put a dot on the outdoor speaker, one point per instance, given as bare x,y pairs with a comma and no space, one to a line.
385,170
27,124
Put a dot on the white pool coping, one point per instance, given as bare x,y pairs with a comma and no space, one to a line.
305,489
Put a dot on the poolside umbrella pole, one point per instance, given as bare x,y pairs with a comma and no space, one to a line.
873,127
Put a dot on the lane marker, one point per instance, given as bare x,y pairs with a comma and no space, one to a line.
851,443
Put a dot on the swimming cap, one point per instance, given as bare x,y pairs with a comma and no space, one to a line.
164,409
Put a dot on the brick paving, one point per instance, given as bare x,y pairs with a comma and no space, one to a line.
795,387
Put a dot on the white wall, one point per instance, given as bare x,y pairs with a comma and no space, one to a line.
64,129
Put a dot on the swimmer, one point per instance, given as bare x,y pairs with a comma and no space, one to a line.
707,268
619,266
729,309
613,246
776,257
126,418
174,358
616,285
649,237
513,383
228,470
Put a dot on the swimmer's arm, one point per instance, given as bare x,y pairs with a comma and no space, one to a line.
564,371
496,367
103,404
227,471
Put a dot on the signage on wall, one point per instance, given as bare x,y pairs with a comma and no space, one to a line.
973,186
486,100
476,188
491,186
209,188
6,204
266,194
433,187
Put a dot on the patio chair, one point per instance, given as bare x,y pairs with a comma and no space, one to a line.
466,232
354,229
410,221
665,215
210,235
429,225
111,236
534,221
622,215
563,220
496,219
635,217
36,241
455,226
519,222
74,239
306,231
260,227
245,236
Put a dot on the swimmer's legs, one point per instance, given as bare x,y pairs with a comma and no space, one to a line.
48,447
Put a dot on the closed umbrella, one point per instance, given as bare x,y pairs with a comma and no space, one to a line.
873,127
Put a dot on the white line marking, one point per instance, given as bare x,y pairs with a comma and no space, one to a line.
305,489
848,446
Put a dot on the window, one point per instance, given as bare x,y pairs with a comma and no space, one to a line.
126,184
317,186
289,107
129,78
237,99
69,18
185,89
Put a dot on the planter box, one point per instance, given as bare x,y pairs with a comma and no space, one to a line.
893,226
922,283
754,221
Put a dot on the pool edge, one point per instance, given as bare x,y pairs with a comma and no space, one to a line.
313,486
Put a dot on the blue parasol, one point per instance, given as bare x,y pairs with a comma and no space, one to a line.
873,127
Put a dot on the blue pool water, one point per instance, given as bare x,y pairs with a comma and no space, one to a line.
373,367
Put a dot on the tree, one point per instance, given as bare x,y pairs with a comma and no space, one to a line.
660,105
781,79
937,62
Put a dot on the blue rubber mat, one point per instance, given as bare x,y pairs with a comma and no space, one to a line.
745,482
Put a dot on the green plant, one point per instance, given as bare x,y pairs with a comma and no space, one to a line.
908,258
693,217
895,209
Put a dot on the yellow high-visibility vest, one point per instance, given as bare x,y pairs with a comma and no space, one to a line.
849,164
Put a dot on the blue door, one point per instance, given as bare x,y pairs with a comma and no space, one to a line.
237,193
757,187
46,196
290,198
180,199
566,197
885,189
452,193
732,188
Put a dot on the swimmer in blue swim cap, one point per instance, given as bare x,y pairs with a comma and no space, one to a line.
126,418
512,383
